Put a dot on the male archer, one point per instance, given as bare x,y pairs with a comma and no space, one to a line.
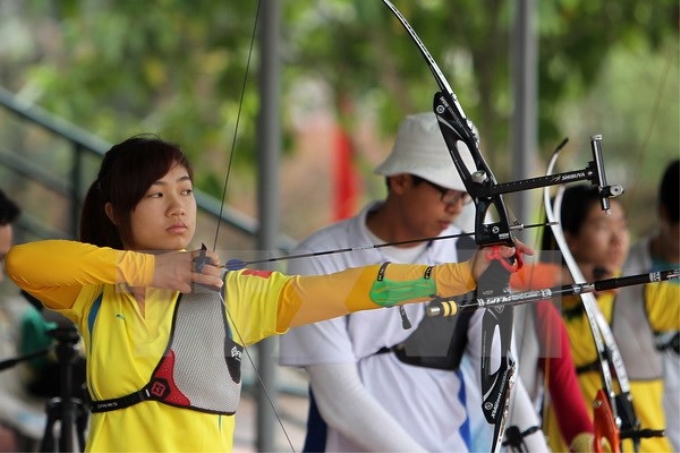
391,380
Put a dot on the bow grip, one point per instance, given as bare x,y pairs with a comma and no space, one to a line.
497,276
201,259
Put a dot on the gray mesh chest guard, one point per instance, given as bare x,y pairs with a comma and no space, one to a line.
201,367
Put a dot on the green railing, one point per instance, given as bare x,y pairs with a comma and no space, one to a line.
46,164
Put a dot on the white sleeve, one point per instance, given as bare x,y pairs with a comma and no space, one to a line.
522,412
523,416
321,342
481,431
346,406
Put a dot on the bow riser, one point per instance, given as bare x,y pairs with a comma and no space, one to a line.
455,127
478,184
481,184
590,305
605,345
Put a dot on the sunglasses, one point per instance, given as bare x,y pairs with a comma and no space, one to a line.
448,196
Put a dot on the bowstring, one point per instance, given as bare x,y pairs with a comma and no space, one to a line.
641,158
236,126
275,259
549,342
258,376
527,316
219,223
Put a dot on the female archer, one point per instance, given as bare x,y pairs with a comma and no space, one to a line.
600,244
163,352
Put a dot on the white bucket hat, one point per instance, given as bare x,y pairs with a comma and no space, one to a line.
420,150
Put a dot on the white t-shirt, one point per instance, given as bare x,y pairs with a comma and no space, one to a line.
427,403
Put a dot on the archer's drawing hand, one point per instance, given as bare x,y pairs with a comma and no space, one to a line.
177,270
481,259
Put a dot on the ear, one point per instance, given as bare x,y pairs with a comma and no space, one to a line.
399,183
108,209
572,242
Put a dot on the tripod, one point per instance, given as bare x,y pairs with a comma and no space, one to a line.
66,408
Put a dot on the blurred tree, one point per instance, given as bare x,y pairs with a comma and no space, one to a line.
169,66
177,67
364,54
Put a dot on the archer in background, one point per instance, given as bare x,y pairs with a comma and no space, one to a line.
600,244
157,319
546,365
28,384
660,251
9,213
391,380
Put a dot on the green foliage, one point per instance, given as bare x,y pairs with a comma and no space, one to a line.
172,67
178,67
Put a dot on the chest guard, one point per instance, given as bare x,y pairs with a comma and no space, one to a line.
633,334
201,367
438,342
630,322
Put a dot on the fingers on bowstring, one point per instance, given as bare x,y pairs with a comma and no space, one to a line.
203,257
207,268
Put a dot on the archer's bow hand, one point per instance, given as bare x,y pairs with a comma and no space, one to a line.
479,262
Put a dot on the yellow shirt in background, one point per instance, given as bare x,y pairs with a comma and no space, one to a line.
646,394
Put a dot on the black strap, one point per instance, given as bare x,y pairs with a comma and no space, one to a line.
436,342
571,313
592,366
514,438
122,402
671,345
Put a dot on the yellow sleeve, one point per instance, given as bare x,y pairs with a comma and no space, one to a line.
263,303
663,305
311,298
55,271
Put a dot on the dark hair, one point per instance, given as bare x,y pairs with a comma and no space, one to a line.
126,173
669,190
576,204
9,210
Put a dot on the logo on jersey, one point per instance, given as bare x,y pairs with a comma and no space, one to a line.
258,273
